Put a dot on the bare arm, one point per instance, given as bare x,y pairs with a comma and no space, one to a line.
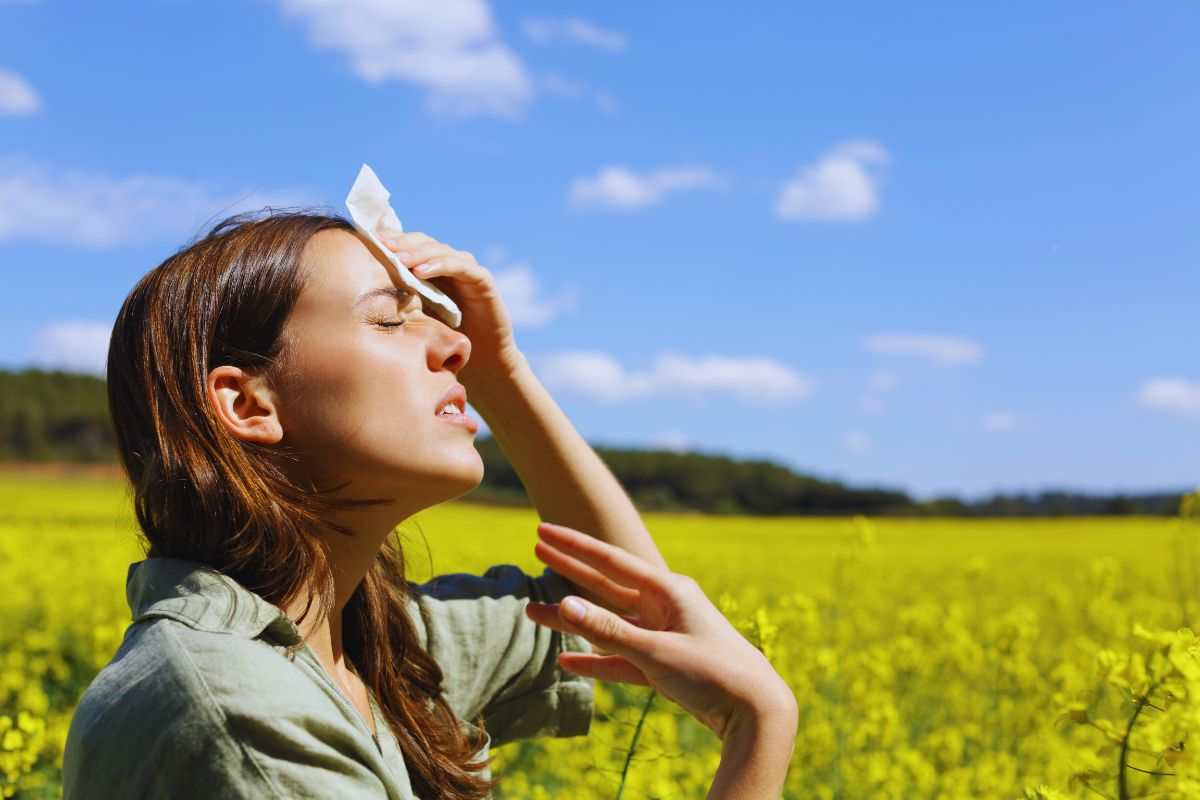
566,480
755,753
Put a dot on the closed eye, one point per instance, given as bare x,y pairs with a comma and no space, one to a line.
410,300
383,323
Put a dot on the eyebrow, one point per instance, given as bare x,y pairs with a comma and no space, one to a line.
400,293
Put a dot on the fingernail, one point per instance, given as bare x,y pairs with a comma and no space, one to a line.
421,270
403,256
572,609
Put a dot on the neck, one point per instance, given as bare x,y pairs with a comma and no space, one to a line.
350,557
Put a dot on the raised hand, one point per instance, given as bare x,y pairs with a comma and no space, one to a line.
485,319
659,630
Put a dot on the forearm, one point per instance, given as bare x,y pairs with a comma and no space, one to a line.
755,755
566,480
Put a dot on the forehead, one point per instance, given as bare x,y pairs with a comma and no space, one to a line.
340,266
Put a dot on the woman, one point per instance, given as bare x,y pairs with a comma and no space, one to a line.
280,401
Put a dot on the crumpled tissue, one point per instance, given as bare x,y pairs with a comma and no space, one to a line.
374,218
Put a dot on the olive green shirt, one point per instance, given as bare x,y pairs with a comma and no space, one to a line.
200,699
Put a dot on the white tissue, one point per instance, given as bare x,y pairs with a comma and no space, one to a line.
374,218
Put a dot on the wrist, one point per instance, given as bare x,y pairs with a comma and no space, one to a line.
773,711
756,750
486,384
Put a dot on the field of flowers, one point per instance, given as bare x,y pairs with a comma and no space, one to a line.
931,659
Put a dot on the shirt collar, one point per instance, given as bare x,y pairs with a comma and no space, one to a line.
205,599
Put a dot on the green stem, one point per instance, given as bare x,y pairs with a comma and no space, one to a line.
633,745
1122,788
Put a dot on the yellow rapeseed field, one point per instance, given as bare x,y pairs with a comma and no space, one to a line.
931,659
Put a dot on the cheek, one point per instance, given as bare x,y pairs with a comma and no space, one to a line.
359,392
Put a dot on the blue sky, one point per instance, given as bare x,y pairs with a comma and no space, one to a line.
945,248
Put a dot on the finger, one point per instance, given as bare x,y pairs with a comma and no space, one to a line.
437,266
606,668
541,612
454,265
598,625
608,559
407,238
617,597
396,240
411,256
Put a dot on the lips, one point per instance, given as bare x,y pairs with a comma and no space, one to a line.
457,395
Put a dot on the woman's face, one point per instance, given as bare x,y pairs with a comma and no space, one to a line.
361,393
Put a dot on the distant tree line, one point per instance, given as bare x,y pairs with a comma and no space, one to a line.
54,416
60,416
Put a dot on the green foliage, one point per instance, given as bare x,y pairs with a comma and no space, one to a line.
58,416
670,481
54,416
659,480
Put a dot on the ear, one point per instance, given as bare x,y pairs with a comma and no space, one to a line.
244,404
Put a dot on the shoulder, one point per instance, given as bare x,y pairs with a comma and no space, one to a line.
146,718
500,592
496,661
499,581
164,667
180,710
463,616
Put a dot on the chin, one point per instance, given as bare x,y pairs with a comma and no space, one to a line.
463,473
446,474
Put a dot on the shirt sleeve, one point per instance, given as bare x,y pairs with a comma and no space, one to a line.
499,663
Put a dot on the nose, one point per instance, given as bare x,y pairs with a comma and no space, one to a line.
450,349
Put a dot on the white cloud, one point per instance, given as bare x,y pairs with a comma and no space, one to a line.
91,209
597,374
758,380
561,86
672,440
949,350
1173,395
574,29
619,187
837,187
879,383
72,346
450,48
1000,421
17,97
519,288
857,441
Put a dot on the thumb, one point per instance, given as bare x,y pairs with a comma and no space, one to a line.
614,633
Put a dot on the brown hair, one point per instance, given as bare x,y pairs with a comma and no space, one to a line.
202,494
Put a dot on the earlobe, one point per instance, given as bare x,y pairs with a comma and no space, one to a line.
244,405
